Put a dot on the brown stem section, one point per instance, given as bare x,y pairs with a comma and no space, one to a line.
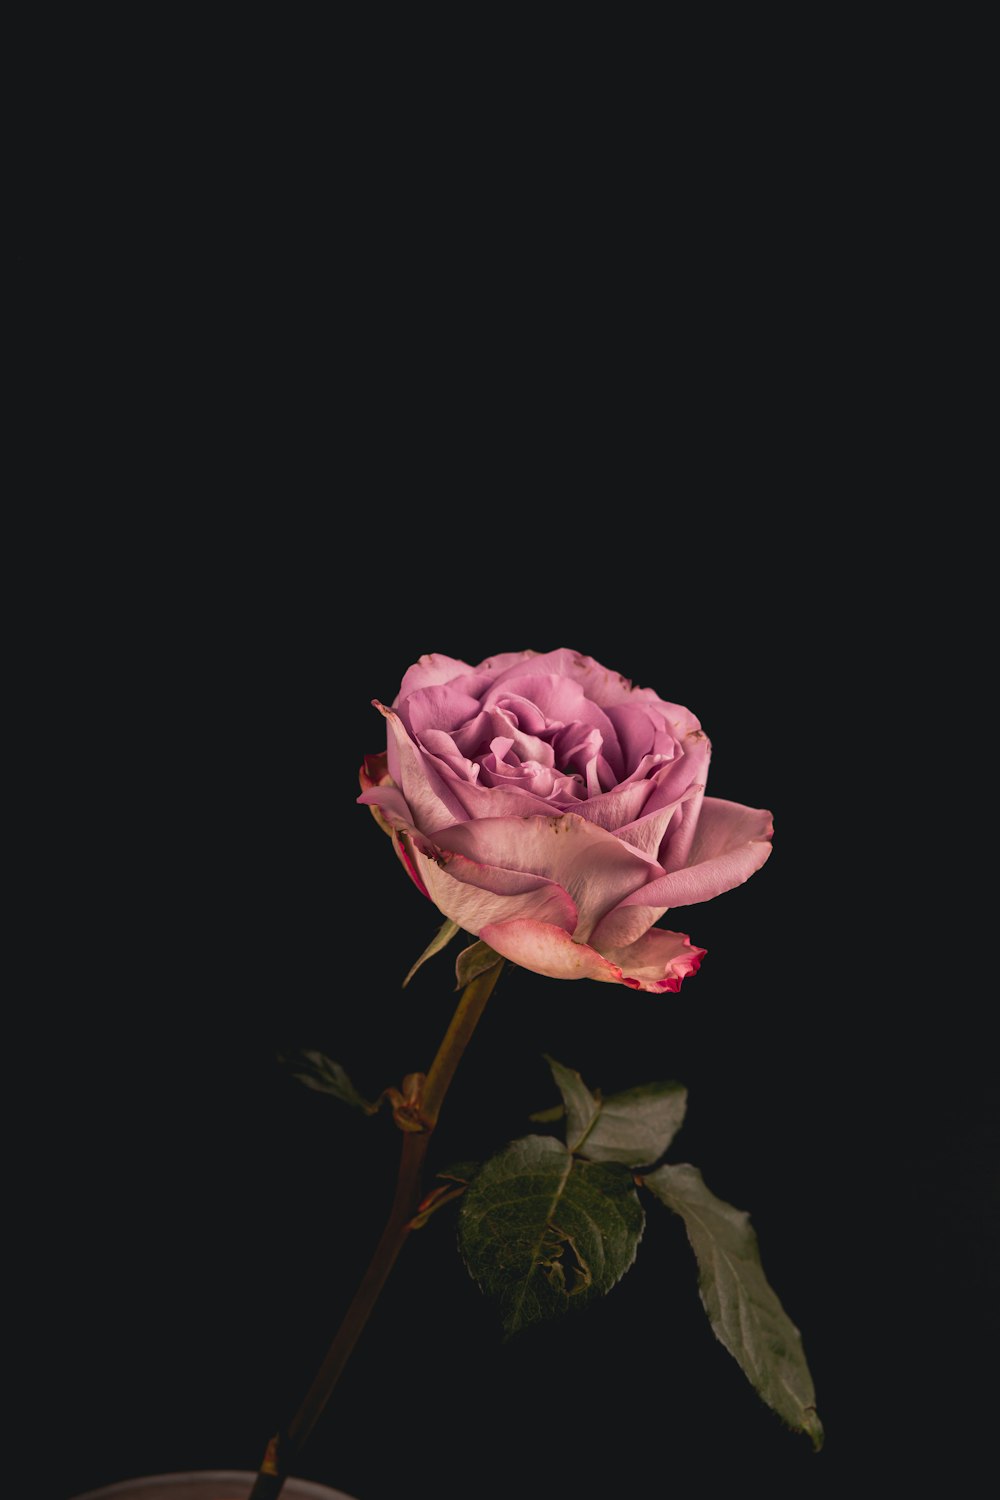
285,1447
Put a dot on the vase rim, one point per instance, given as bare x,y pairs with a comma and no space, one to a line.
305,1489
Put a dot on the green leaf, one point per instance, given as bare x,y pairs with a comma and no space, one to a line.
581,1106
459,1171
440,940
637,1126
634,1127
742,1307
473,961
319,1072
548,1116
543,1231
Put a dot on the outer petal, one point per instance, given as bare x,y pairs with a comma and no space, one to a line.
680,719
475,897
386,803
374,773
498,664
730,843
389,806
660,960
430,796
624,926
597,869
430,671
675,848
468,892
658,966
404,847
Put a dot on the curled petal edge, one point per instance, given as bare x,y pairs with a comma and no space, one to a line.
374,773
660,960
731,842
376,782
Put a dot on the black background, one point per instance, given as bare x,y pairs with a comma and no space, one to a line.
329,414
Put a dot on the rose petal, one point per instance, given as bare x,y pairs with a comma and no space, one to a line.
389,802
612,810
374,773
506,659
550,950
596,869
678,718
730,842
647,833
468,892
561,700
658,965
507,800
537,781
431,798
636,726
528,746
444,750
624,926
688,765
472,738
443,707
474,896
675,847
525,714
405,849
600,685
659,959
429,671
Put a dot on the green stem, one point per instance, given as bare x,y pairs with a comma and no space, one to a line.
285,1447
463,1023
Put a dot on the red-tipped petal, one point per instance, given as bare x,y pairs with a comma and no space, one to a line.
657,965
661,960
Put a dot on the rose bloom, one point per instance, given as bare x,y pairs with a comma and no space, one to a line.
554,810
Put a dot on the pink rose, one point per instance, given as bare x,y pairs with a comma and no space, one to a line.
549,807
